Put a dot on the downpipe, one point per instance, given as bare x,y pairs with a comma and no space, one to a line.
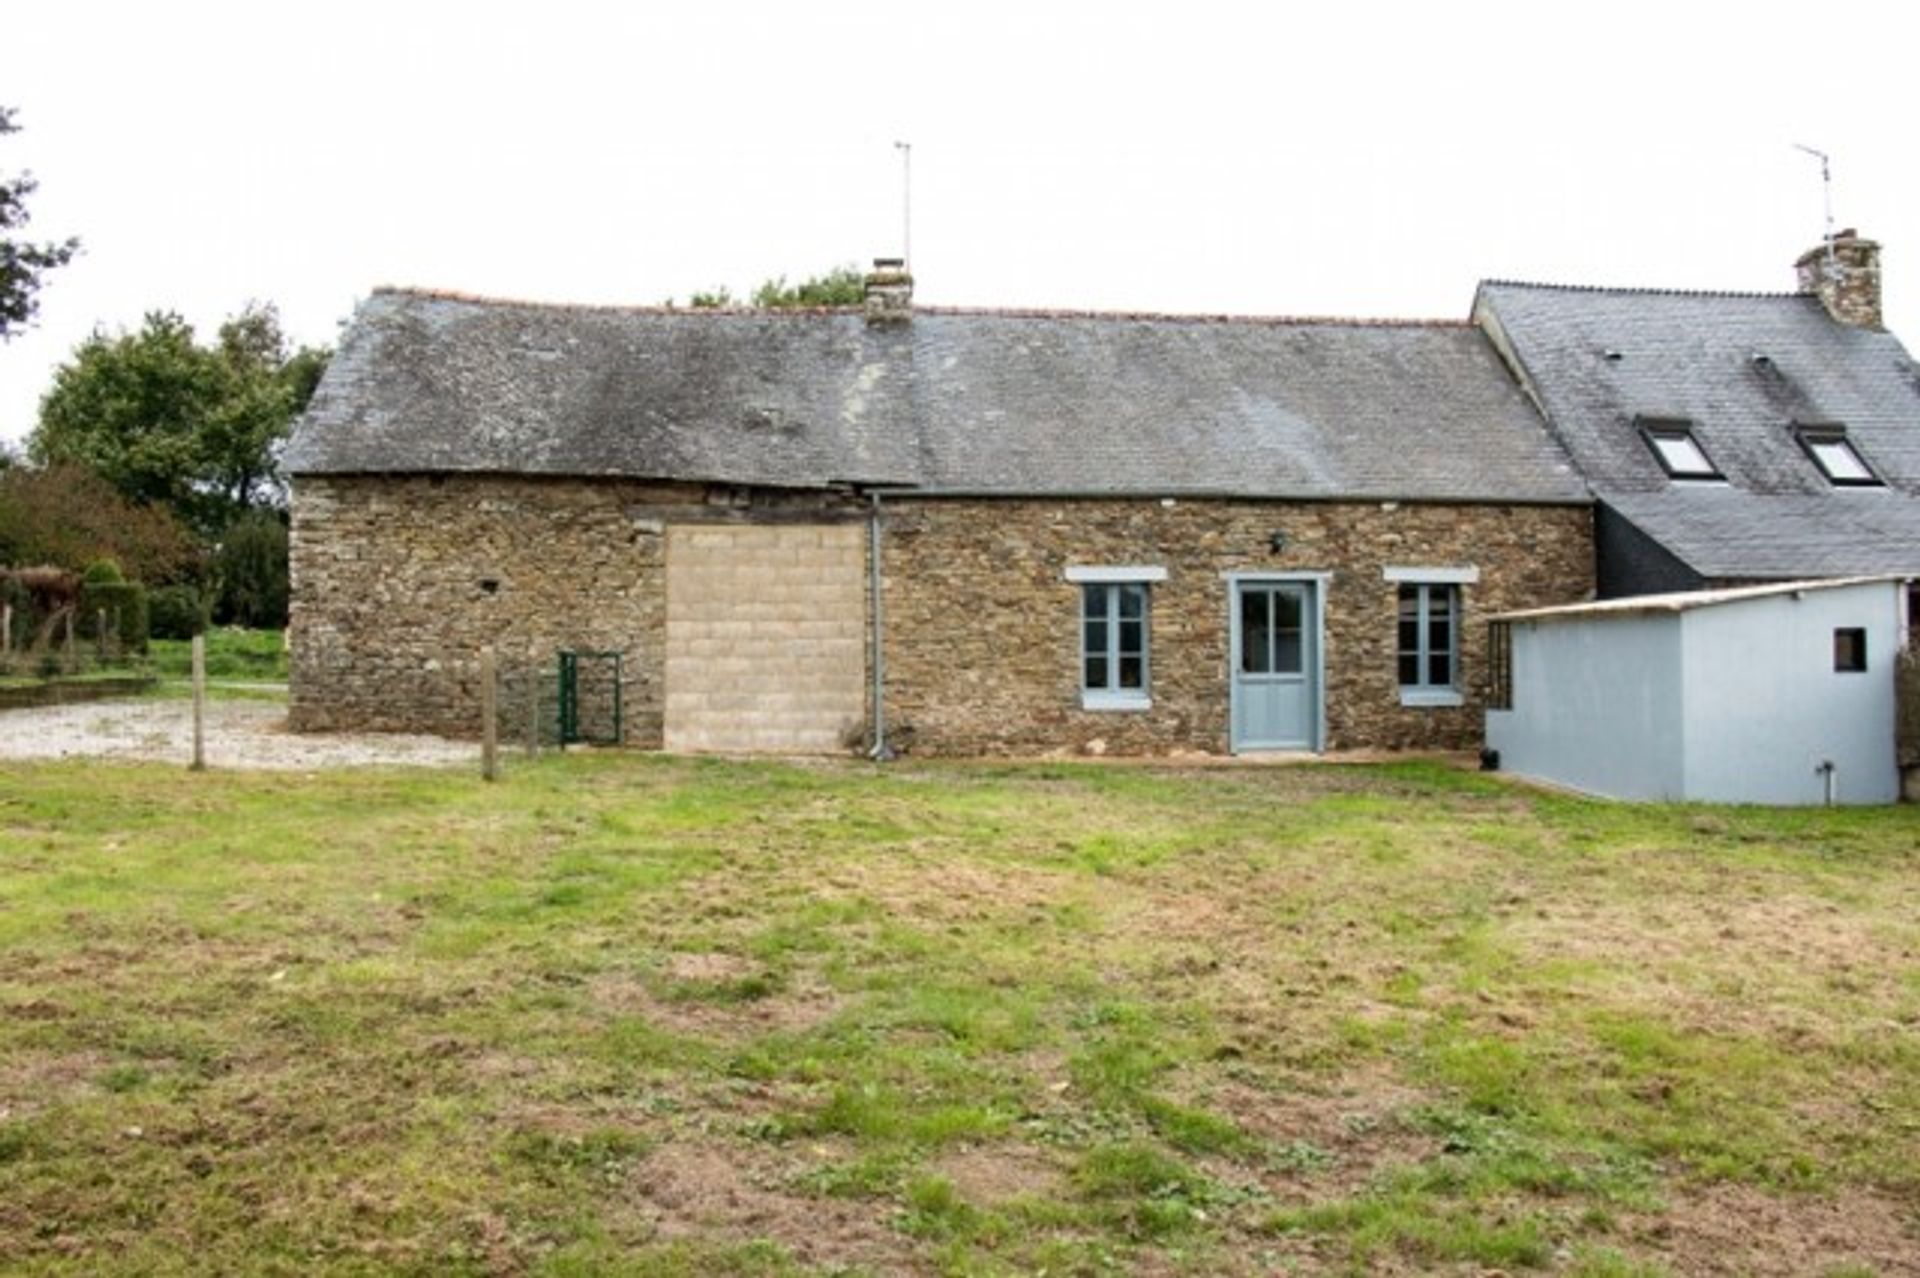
881,752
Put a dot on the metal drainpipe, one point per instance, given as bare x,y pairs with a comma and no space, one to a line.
881,751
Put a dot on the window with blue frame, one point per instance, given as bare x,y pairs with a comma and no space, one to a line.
1113,645
1429,641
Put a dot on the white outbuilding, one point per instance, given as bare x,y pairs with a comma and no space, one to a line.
1776,694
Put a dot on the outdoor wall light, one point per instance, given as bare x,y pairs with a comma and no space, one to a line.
1277,543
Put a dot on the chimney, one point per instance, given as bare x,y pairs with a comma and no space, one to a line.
1845,278
889,292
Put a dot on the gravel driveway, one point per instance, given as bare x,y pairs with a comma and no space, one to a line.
240,734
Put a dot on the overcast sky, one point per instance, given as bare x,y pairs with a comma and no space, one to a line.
1334,158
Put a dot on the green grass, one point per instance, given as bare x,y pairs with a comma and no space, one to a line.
626,1014
232,653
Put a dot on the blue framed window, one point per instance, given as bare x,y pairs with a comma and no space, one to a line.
1114,662
1429,642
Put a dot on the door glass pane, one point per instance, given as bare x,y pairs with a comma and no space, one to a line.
1288,650
1256,656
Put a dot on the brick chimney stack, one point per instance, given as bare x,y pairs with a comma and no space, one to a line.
889,292
1847,281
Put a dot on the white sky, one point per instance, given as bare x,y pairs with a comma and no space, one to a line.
1327,158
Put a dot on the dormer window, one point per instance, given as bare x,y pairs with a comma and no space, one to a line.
1837,459
1679,452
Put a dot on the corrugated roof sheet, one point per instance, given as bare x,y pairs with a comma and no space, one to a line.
1744,369
1683,601
955,400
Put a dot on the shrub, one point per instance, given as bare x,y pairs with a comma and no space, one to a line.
125,604
177,612
103,572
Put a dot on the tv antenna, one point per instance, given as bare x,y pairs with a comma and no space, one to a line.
906,202
1826,193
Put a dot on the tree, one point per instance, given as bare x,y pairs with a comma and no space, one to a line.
68,517
168,421
841,286
251,567
22,263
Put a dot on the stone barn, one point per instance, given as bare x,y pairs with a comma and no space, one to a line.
946,531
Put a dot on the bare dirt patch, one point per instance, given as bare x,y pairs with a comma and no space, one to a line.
1737,1229
239,734
989,1175
1332,1136
706,1193
798,1003
32,1080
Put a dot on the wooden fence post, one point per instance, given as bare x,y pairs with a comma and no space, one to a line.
6,630
490,717
199,703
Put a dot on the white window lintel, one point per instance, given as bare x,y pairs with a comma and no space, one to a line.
1467,576
1121,574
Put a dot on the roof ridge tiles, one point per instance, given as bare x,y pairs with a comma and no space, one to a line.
1638,290
987,312
1191,317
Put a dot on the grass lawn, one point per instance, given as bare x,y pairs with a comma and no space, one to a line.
622,1013
232,653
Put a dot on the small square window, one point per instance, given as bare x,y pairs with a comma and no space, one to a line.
1680,454
1836,456
1850,648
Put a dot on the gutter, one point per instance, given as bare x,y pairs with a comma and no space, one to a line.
1219,494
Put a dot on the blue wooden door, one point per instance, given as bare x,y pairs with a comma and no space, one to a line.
1276,697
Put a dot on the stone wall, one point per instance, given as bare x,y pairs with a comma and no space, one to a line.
398,583
983,642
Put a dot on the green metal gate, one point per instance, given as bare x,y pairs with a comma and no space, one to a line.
589,698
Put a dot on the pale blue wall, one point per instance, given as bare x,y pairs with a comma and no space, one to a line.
1764,704
1733,702
1596,706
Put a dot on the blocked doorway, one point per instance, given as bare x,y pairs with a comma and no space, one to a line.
766,638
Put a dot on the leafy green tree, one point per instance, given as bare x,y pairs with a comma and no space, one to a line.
251,570
842,286
169,421
22,262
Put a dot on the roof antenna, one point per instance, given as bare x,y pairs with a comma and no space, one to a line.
906,203
1826,192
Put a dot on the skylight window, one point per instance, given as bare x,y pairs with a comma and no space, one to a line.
1836,457
1679,452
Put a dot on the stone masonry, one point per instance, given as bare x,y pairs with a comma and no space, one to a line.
398,583
983,642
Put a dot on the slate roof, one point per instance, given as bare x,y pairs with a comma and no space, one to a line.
991,402
1744,369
